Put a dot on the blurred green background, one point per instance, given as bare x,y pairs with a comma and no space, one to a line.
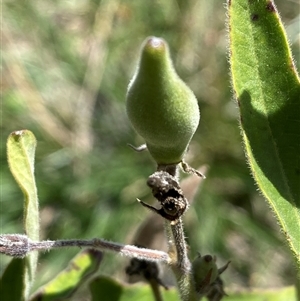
65,70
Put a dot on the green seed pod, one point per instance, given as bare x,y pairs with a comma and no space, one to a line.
205,272
160,106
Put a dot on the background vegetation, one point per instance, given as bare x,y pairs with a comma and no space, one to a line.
66,66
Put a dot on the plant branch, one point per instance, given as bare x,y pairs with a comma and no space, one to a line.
181,267
155,287
183,261
166,189
18,245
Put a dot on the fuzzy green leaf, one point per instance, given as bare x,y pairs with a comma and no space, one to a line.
267,89
20,152
82,267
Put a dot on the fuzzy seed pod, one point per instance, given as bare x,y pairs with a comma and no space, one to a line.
160,106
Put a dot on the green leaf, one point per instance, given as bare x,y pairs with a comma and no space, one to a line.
107,289
82,267
284,294
20,151
11,283
267,89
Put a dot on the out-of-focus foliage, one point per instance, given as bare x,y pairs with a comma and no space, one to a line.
63,285
13,273
110,290
107,289
66,66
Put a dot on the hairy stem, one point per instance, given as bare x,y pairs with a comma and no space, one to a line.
180,263
176,229
183,261
17,245
182,268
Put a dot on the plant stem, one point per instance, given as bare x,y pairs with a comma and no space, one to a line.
156,290
173,170
183,261
18,245
180,263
